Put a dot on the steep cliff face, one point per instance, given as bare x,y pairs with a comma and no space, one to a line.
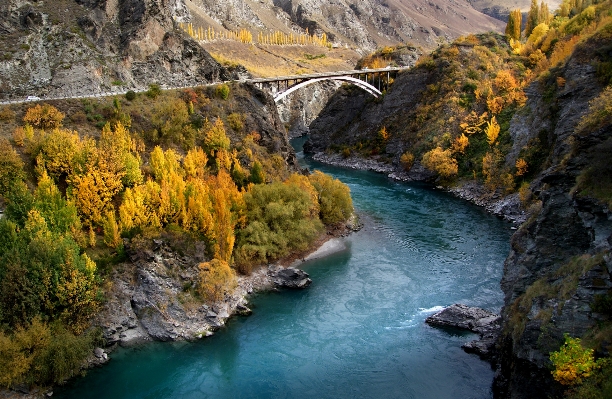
560,260
299,109
71,48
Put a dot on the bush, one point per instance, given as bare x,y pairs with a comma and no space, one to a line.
441,162
222,91
236,121
42,354
154,91
282,217
407,160
130,95
6,114
215,279
11,166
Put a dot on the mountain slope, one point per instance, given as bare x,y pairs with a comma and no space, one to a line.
82,47
366,24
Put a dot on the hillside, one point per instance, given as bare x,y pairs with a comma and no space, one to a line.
363,25
70,48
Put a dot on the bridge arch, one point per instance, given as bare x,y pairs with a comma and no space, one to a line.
357,82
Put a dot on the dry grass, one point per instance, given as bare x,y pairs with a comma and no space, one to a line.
266,61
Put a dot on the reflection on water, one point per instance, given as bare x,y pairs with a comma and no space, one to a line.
358,331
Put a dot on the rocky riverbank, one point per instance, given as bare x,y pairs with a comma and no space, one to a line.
507,207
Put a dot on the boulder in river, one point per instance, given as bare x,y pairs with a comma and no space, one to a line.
289,277
477,320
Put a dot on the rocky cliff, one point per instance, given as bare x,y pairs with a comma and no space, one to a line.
560,264
70,48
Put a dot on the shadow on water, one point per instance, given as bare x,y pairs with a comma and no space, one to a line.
358,331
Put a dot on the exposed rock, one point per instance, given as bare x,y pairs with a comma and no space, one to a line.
367,24
289,277
477,320
300,108
98,46
560,258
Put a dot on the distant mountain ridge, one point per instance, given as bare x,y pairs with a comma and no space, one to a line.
365,24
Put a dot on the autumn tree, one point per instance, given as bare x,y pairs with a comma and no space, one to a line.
513,28
11,166
441,161
215,137
334,198
216,278
492,131
44,117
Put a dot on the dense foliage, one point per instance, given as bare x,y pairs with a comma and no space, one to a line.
157,163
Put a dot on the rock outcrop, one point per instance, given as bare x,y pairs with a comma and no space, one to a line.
152,295
477,320
97,46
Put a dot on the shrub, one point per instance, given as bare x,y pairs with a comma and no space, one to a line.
130,95
6,114
236,121
282,217
154,91
572,362
222,91
11,166
215,279
407,160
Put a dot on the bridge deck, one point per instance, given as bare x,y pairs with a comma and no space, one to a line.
325,75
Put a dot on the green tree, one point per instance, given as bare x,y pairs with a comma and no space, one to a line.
257,174
334,198
513,28
11,166
281,217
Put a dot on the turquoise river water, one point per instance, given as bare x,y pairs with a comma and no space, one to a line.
358,331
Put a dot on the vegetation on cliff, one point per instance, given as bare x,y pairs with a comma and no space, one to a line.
189,162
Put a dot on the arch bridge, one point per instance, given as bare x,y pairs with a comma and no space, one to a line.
373,81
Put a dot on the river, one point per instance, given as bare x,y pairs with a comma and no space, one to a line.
358,331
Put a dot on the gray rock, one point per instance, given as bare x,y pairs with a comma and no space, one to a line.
289,278
477,320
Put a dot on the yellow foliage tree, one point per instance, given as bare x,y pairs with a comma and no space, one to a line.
460,144
112,236
44,117
140,206
572,362
93,192
492,131
441,161
215,280
472,123
195,163
521,167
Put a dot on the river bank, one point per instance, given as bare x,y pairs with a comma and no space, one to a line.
507,207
